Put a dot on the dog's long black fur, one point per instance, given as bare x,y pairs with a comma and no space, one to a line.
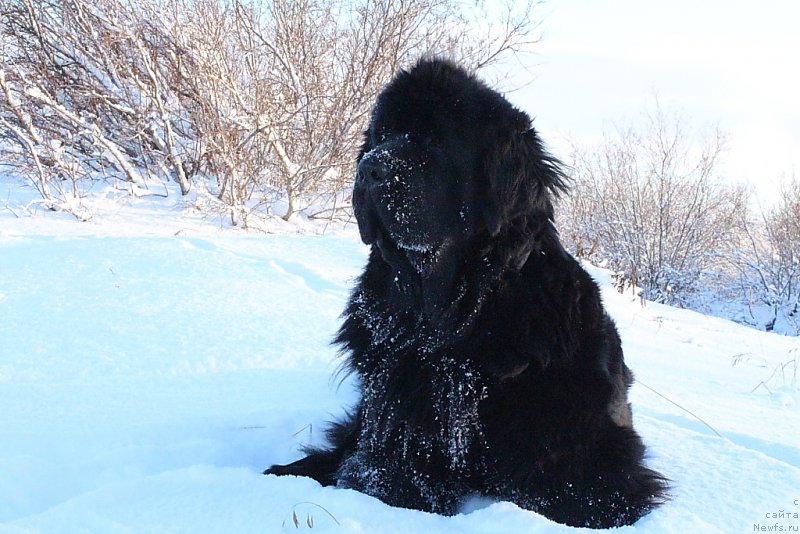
485,360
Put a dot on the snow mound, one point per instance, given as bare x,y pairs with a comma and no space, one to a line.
146,381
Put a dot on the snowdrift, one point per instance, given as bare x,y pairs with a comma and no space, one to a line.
147,380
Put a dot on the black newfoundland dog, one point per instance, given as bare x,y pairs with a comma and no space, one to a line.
485,361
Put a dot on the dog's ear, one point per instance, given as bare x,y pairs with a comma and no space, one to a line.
520,177
366,145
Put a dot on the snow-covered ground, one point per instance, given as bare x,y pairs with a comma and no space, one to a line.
152,364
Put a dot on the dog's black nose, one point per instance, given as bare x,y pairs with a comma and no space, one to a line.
371,168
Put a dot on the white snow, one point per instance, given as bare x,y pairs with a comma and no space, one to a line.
147,378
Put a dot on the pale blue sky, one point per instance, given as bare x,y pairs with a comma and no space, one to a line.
731,63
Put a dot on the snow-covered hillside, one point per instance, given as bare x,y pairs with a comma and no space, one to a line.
147,378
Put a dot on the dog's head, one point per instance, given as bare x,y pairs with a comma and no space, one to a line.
449,165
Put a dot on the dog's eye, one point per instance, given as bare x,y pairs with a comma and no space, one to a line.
428,142
434,149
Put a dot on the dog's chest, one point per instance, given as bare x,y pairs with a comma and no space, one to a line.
417,393
419,397
457,394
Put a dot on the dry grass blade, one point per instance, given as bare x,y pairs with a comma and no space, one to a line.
682,408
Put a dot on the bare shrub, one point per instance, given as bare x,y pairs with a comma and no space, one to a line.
246,102
768,262
84,99
652,206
